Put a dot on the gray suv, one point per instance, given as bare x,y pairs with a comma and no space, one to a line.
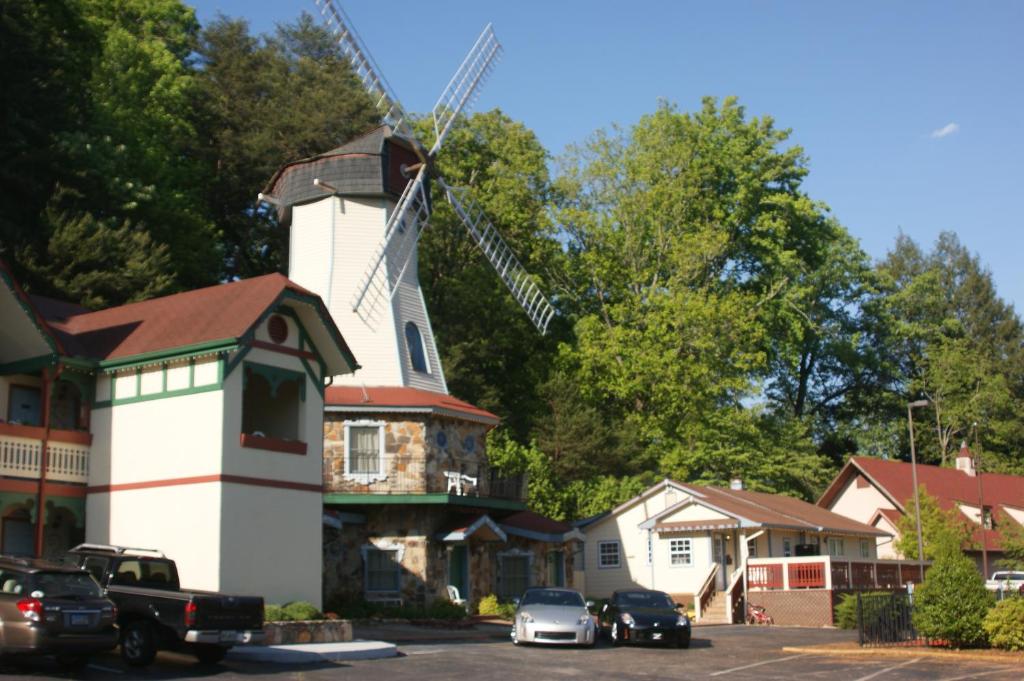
52,609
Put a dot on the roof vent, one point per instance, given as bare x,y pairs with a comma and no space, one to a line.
736,483
965,460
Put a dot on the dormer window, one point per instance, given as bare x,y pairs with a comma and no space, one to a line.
414,341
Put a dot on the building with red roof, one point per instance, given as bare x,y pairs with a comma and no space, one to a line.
878,492
191,423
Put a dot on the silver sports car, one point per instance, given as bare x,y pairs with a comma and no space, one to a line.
553,615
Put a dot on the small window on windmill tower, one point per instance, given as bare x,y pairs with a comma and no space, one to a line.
414,341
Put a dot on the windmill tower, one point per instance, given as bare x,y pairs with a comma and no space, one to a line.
356,214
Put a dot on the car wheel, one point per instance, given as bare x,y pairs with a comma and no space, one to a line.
72,663
614,634
208,653
138,645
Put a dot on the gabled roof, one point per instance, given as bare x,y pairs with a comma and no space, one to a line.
534,526
948,485
221,314
482,526
628,503
758,509
407,400
24,334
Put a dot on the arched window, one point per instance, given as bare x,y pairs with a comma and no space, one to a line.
414,341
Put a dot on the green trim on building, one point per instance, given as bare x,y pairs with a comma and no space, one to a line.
342,499
192,388
275,376
50,341
170,354
26,366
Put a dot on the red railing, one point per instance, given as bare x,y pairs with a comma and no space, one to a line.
888,575
863,575
806,575
840,575
765,576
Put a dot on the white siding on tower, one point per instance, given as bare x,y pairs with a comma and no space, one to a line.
409,306
332,243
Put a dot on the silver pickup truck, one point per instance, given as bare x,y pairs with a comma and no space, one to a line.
1008,581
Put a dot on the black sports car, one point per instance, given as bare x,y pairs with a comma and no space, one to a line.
641,615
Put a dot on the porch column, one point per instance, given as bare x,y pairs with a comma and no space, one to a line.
44,456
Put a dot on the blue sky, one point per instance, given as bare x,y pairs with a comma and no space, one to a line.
910,112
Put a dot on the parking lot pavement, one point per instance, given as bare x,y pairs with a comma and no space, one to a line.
727,653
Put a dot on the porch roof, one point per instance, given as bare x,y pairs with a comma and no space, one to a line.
684,525
481,526
757,509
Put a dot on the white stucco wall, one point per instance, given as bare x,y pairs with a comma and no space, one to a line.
180,520
859,503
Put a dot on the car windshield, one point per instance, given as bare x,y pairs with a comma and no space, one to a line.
552,597
66,584
645,599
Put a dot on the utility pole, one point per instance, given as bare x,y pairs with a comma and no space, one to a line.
913,471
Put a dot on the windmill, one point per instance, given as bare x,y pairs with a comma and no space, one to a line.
390,163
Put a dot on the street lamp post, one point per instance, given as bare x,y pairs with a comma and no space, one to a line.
913,472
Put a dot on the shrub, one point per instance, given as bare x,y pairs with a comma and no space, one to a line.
444,609
273,613
846,609
488,605
301,610
950,605
1004,624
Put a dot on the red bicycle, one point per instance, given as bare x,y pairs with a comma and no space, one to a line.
756,614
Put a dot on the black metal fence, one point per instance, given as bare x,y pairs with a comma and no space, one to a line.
886,619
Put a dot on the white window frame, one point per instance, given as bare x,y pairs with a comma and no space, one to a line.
601,556
865,549
836,547
686,552
380,473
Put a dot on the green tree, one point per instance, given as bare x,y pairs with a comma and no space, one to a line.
687,239
265,101
954,341
1012,534
941,530
951,604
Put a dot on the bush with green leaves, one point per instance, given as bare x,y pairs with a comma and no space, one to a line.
846,609
491,606
299,611
951,604
273,613
1004,624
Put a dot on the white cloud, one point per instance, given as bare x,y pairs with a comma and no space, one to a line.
945,131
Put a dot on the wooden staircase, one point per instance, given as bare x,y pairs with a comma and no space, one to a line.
718,610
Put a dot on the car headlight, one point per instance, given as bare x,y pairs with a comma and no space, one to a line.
584,618
683,621
627,619
525,618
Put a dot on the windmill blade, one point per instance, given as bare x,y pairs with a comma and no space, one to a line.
464,86
365,68
395,251
524,289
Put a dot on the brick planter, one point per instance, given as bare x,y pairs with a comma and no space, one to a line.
308,631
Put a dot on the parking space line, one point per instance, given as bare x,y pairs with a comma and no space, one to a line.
974,675
109,670
755,664
888,669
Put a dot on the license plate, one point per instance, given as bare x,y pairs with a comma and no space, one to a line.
656,636
78,620
229,636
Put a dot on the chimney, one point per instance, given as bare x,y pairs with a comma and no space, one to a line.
736,483
965,460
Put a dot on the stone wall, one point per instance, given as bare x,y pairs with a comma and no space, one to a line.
417,450
310,631
803,607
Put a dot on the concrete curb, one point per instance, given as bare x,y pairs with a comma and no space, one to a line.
990,656
311,653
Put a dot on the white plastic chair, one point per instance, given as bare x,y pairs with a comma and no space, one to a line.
453,596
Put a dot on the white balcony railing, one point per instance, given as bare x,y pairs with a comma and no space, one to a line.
829,572
20,457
